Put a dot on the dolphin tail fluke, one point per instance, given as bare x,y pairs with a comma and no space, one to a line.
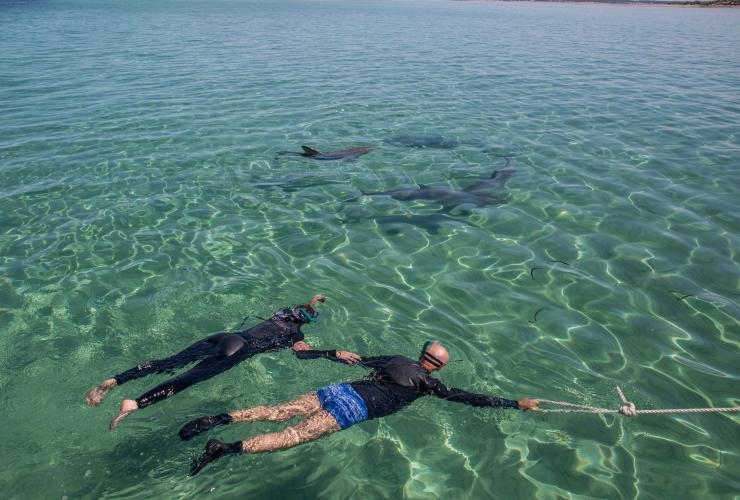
506,168
371,193
310,151
351,200
288,153
501,176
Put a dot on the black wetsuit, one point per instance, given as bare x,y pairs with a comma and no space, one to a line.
398,381
225,350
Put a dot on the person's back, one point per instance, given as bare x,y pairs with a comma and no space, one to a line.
281,330
396,381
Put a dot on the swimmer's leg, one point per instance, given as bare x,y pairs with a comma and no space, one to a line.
192,353
232,350
318,425
305,406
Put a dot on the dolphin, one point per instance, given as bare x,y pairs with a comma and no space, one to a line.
331,155
479,193
423,141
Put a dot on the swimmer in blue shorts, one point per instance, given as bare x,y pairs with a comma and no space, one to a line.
396,382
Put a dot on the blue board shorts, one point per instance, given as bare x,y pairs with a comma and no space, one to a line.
343,403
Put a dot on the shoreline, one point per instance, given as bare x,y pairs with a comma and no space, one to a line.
625,3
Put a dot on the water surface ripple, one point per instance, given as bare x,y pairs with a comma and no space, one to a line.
142,206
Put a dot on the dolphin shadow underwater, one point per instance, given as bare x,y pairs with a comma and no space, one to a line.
423,141
295,183
432,142
393,224
342,154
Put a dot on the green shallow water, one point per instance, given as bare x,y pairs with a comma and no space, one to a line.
142,207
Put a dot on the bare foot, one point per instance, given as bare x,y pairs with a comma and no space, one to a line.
97,393
128,406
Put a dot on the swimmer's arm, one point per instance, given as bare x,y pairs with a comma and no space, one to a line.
316,299
311,305
375,361
303,350
470,398
313,302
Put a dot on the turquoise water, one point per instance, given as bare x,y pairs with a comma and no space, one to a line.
142,207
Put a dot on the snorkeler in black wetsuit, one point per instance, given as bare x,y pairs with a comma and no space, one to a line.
396,382
219,353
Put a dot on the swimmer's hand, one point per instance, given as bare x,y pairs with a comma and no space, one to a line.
315,299
349,357
202,424
528,404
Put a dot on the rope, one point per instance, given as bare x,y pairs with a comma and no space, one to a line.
628,409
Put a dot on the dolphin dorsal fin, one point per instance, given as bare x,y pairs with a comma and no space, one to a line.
310,151
422,186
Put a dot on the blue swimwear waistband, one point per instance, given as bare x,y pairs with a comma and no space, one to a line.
343,403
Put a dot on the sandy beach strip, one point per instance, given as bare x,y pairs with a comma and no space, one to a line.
596,3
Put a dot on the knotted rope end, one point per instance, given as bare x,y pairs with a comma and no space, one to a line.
628,409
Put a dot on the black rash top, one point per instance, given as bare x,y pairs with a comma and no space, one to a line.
271,334
398,381
281,331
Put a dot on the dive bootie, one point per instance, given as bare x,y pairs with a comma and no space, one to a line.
202,424
214,450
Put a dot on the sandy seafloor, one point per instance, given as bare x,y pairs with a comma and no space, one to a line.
142,207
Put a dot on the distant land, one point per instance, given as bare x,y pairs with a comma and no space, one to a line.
679,3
